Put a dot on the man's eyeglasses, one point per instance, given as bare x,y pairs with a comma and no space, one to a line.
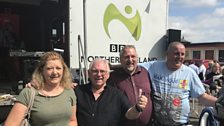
95,72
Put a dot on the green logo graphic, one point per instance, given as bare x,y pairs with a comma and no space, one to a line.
133,24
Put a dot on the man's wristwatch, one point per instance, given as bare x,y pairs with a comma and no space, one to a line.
138,108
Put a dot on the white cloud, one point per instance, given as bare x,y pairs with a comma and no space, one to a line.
219,12
195,3
204,28
207,26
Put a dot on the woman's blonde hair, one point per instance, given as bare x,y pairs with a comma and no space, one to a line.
38,77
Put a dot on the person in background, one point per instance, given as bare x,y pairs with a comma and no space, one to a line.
216,70
55,100
130,78
99,104
187,63
212,79
173,84
194,67
221,91
202,70
209,69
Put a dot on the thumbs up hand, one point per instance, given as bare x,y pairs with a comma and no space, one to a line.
142,101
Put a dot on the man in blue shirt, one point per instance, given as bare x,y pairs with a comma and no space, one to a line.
173,83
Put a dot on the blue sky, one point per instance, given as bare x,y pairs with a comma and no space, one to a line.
198,20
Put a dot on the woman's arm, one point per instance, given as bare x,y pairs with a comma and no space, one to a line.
73,119
16,115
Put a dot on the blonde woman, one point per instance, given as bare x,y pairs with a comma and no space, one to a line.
55,101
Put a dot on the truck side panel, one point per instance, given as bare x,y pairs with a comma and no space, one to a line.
106,26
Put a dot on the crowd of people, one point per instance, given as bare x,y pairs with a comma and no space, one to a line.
212,77
155,93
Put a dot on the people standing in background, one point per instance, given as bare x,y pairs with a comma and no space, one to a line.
194,67
221,91
212,78
54,102
187,63
216,70
130,78
209,69
202,70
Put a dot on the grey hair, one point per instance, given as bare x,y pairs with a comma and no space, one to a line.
99,60
126,47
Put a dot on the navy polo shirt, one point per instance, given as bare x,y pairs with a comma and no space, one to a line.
108,110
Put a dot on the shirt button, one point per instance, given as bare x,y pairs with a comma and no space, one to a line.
92,114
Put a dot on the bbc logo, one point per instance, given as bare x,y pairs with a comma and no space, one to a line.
116,47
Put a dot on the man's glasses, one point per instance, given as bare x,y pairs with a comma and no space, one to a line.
95,72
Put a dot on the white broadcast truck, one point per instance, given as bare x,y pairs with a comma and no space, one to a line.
105,27
81,30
